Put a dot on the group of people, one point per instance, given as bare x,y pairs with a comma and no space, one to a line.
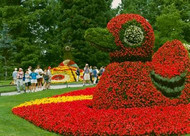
32,80
38,79
90,74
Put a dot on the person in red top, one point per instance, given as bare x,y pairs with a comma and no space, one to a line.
20,75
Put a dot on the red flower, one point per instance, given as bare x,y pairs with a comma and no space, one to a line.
128,84
58,77
171,59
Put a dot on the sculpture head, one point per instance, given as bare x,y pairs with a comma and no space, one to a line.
133,35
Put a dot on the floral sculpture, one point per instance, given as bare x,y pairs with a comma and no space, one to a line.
138,94
65,72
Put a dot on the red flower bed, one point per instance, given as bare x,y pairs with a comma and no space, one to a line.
87,91
128,84
79,118
58,77
171,59
144,51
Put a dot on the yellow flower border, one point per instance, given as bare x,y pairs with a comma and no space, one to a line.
56,100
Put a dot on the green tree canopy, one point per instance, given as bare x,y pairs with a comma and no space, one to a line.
169,18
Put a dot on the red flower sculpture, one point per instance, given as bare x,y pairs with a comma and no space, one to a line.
134,35
171,59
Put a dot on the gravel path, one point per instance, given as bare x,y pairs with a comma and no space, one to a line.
51,87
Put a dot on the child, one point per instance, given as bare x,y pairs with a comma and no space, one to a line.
33,76
27,81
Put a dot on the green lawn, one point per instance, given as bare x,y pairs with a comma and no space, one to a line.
5,82
11,88
8,89
5,86
11,125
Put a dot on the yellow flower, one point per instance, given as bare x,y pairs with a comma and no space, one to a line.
56,100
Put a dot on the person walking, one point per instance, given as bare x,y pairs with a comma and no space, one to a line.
33,76
27,81
20,75
91,74
86,74
39,71
95,74
14,75
77,73
46,79
102,69
30,69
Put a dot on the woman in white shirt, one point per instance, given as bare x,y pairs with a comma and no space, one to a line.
40,72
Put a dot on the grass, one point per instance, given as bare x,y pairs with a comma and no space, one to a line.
12,125
5,82
8,89
5,86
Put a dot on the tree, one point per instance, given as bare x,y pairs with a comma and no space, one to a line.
149,9
77,17
169,26
6,49
169,18
34,27
41,30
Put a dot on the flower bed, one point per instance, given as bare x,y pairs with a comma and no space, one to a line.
77,117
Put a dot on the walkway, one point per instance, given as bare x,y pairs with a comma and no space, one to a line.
51,87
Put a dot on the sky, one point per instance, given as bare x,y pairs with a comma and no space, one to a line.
115,3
